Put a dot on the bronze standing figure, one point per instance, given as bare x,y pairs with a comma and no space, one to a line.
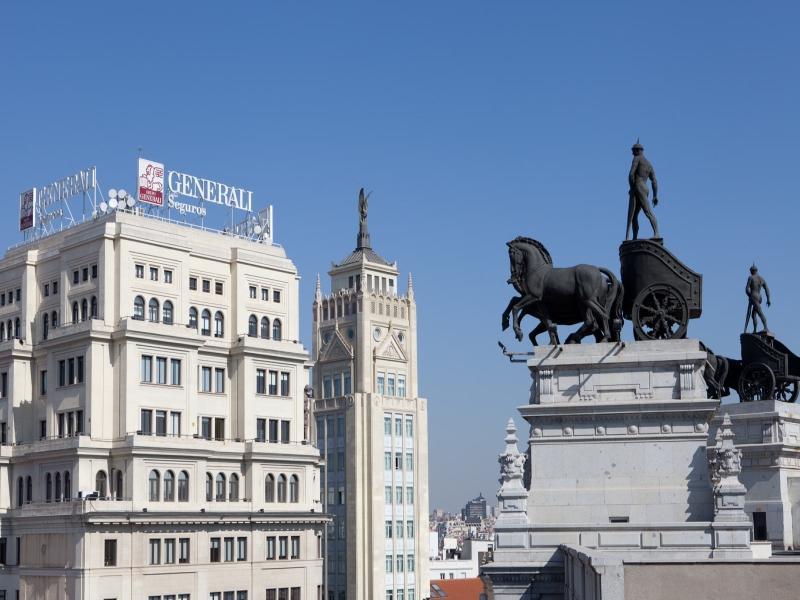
641,171
753,290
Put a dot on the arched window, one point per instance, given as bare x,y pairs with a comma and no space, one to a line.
169,486
233,488
48,488
265,328
58,487
118,487
138,308
45,326
294,489
205,322
75,312
3,331
29,489
17,333
183,486
152,310
220,486
67,486
84,309
168,313
8,328
101,484
154,483
269,488
53,321
282,488
219,324
252,326
193,317
94,307
209,487
276,330
20,485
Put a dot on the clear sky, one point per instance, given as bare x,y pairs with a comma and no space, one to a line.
471,122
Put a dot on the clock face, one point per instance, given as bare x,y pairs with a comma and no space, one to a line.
326,337
376,334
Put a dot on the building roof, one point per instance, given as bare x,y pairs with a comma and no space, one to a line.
361,254
458,589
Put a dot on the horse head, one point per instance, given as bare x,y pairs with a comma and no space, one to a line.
526,254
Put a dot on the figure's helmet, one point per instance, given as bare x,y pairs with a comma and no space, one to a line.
637,146
753,268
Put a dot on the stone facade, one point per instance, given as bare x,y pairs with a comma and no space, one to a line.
152,418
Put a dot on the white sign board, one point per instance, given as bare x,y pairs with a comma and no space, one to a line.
151,182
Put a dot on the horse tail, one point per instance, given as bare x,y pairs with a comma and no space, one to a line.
613,305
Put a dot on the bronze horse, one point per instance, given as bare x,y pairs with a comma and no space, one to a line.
562,296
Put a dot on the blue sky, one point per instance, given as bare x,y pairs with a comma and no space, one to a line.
471,122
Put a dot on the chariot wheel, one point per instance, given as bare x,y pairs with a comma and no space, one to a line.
660,313
786,390
757,382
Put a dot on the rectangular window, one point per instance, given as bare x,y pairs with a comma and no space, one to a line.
139,272
219,429
273,383
327,388
153,273
296,594
389,564
388,530
398,461
62,373
109,554
215,548
207,285
388,494
175,368
390,384
409,427
759,526
410,563
218,288
261,430
348,386
295,548
399,529
228,549
219,381
167,276
283,547
79,376
76,277
398,493
337,386
155,552
276,295
192,283
400,564
46,293
410,531
379,386
169,551
387,461
161,370
401,386
284,383
253,291
265,294
409,461
409,495
61,419
285,432
70,371
261,385
146,421
387,425
205,427
205,379
42,429
147,369
85,274
175,418
241,548
43,382
183,550
161,422
398,426
273,431
271,548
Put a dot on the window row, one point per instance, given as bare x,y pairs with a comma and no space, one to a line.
161,375
81,275
336,385
222,549
395,529
205,322
70,371
398,426
385,384
336,495
10,294
48,287
284,593
170,597
215,375
81,311
401,313
220,489
68,424
283,547
10,330
272,388
276,427
101,488
397,461
398,494
206,285
174,550
240,595
271,485
331,427
156,313
409,594
253,329
154,486
253,291
400,563
138,271
159,422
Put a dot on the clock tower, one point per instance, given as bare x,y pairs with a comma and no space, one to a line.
371,429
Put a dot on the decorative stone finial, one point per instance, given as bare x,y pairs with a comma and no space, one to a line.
725,465
318,291
410,292
512,495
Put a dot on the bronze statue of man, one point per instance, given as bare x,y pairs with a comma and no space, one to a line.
641,171
363,203
753,290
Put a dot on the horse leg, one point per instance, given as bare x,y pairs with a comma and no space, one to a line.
588,326
552,329
540,328
517,311
507,311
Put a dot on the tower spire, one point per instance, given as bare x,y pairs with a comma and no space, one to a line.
410,287
363,233
318,291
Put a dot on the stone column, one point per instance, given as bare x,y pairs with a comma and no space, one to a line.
512,495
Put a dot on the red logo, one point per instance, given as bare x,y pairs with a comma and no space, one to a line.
151,182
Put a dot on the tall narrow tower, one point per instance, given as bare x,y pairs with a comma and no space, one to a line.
371,428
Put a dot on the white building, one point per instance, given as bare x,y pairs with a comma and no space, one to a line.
152,418
371,427
474,553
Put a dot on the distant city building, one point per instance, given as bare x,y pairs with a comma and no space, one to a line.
372,429
152,417
475,510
